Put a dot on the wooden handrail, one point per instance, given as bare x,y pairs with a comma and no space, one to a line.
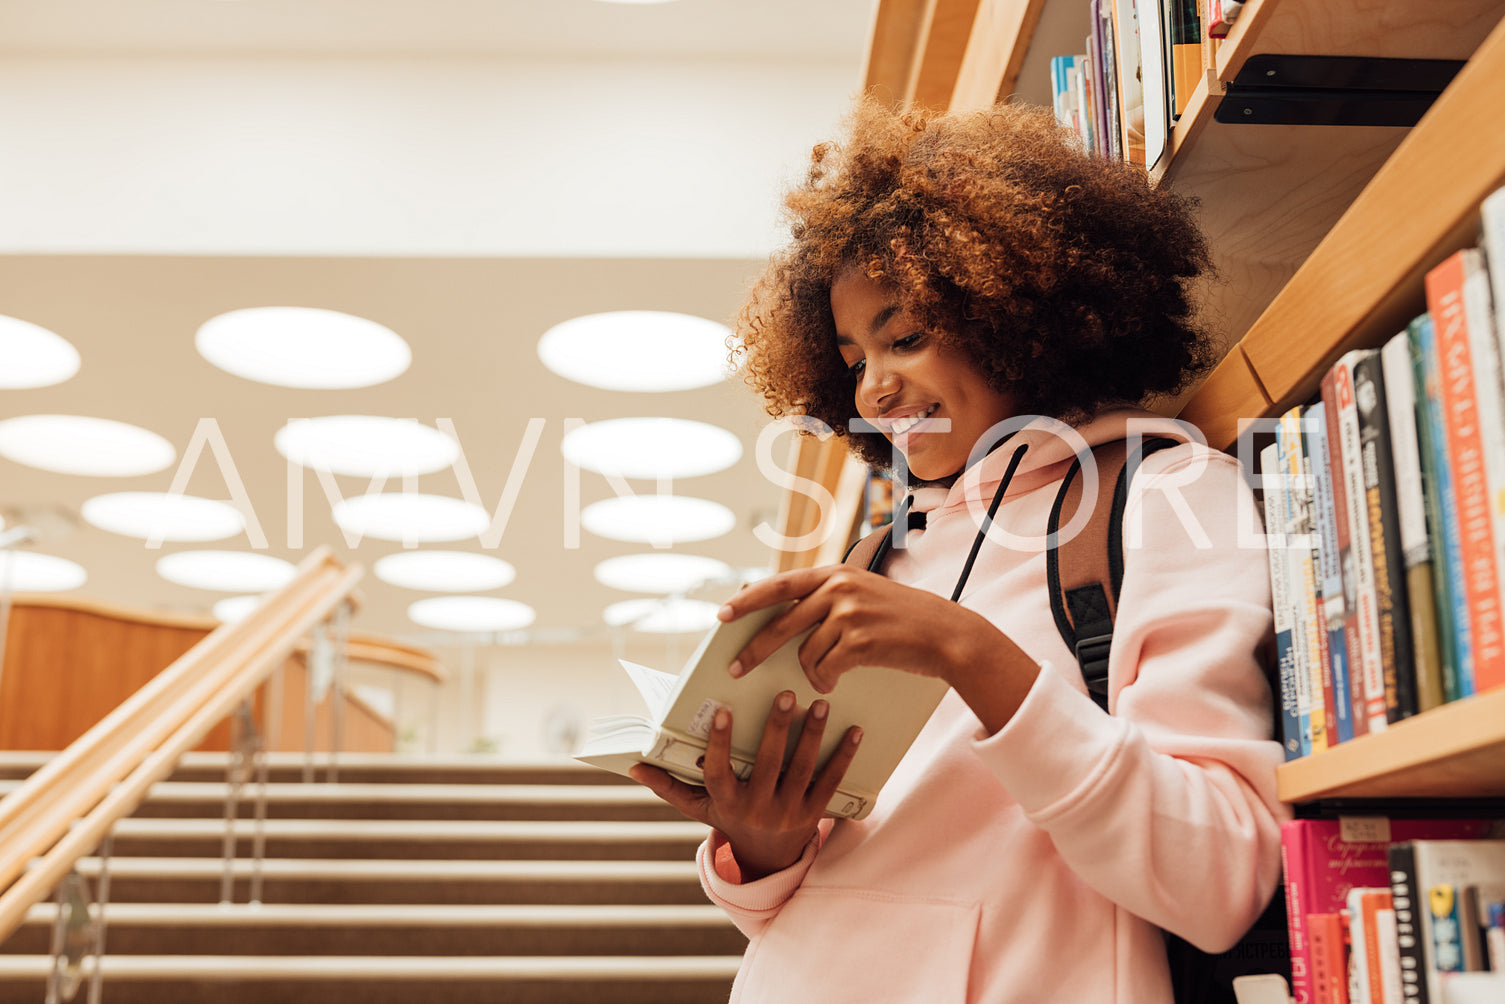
65,809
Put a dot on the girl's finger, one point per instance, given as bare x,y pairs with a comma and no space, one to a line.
770,761
817,656
775,589
687,798
824,788
793,622
720,780
807,750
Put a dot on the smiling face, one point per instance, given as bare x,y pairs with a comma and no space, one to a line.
908,380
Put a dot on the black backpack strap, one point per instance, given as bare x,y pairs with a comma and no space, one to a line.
871,551
1084,574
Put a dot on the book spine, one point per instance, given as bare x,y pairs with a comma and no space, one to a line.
1412,517
1402,856
1492,228
1394,612
1364,595
1329,572
1442,902
1390,991
1130,93
1290,700
1304,586
1358,717
1466,452
1297,862
1329,960
1186,51
1490,399
1113,148
1449,581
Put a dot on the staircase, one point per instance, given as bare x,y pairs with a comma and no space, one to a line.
407,880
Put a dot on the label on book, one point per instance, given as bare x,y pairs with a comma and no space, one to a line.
700,723
1364,829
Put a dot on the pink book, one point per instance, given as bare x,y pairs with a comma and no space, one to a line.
1325,858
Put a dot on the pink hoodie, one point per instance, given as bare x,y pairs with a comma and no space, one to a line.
1039,863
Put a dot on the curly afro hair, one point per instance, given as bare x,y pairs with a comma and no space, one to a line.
1065,277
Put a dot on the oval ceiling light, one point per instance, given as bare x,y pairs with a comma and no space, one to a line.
34,356
661,573
638,350
163,516
226,571
668,616
303,347
471,613
235,608
366,446
28,572
77,444
444,571
652,447
410,516
660,520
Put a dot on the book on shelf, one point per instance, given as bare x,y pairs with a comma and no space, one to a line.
1324,859
1411,520
1329,950
1358,561
1429,876
1387,562
1149,15
1492,243
1102,50
1306,638
1220,16
1294,694
1185,30
1375,966
1126,73
891,707
1330,571
1476,452
1449,590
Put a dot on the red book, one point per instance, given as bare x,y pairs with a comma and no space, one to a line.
1329,957
1325,858
1358,716
1466,452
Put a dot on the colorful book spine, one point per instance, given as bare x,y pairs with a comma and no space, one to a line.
1329,958
1449,587
1292,733
1429,873
1300,578
1359,717
1411,513
1364,595
1329,571
1387,560
1467,452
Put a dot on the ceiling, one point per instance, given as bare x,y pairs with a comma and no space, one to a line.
472,322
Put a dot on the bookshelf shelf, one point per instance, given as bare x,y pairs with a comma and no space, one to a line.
1453,751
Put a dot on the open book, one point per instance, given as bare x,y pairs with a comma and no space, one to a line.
890,706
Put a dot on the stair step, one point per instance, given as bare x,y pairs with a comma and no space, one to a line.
393,768
290,800
387,838
316,929
295,880
245,979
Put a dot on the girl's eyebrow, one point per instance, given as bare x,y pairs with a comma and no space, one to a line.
876,325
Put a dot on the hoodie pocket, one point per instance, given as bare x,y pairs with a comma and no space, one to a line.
841,946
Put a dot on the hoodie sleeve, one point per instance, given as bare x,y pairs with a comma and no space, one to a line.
1168,806
752,905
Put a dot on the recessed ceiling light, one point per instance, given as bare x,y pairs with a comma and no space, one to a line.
163,516
660,520
444,571
366,446
668,616
34,356
661,573
235,608
226,571
637,350
77,444
28,572
471,613
410,516
652,447
303,347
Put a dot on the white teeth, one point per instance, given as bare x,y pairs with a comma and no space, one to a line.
899,426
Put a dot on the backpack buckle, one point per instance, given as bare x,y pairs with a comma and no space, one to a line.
1092,657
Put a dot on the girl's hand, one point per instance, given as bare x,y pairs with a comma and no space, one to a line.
860,618
769,818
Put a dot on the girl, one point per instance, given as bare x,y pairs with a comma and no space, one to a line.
954,280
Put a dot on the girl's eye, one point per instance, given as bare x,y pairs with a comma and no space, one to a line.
856,368
909,341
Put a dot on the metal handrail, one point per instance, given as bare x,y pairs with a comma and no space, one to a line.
65,808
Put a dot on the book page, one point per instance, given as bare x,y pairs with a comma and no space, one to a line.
655,685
